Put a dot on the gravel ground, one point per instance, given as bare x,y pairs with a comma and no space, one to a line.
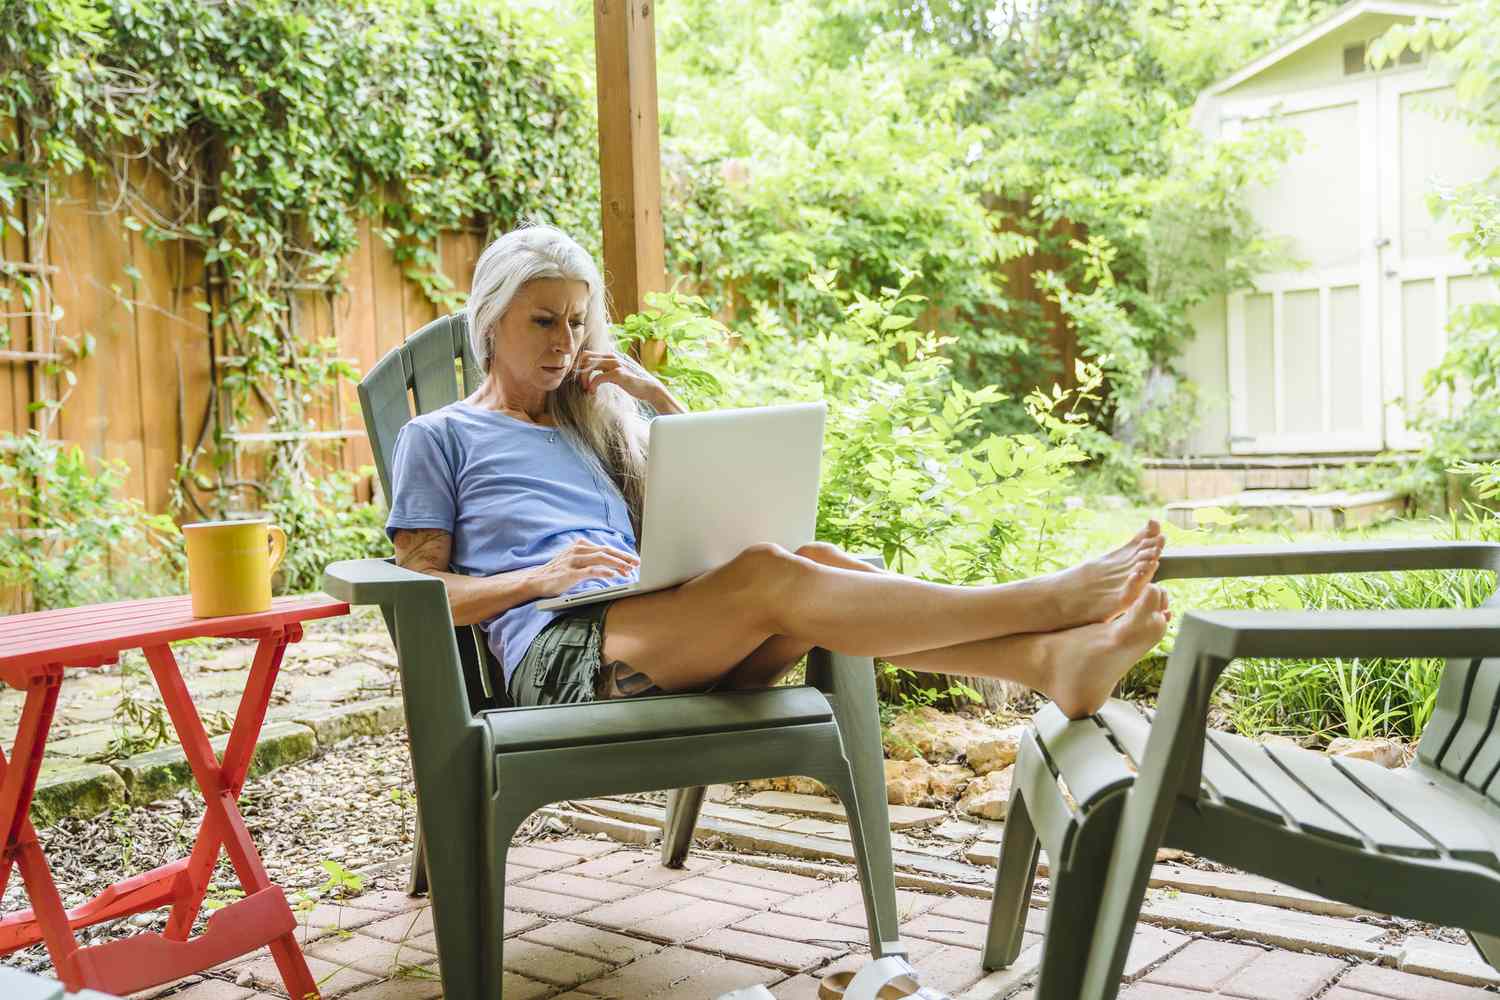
353,808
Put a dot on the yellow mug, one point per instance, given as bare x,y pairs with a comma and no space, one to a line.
230,565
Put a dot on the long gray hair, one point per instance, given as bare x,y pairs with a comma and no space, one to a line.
607,422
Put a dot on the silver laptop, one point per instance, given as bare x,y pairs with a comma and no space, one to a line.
717,483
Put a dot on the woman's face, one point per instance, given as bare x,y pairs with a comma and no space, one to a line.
538,339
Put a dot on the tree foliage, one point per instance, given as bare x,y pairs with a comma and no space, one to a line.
947,137
1468,46
262,133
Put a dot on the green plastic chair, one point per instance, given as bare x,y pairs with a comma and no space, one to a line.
1421,842
481,768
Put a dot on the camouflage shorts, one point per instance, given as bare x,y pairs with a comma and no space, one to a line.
562,663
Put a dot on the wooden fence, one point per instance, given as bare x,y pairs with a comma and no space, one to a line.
143,396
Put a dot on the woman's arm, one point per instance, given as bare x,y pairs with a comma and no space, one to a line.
665,402
474,599
595,369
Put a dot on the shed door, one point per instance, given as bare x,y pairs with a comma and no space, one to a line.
1304,344
1422,276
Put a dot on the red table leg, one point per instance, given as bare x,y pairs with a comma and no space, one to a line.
17,785
248,719
221,786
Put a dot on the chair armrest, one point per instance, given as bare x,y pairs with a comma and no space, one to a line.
375,581
1354,557
1444,632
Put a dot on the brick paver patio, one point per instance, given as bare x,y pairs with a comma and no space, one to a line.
591,919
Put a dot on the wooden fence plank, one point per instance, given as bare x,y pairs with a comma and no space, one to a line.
386,280
161,325
91,248
354,322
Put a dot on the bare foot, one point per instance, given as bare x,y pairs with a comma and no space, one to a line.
1103,587
1089,661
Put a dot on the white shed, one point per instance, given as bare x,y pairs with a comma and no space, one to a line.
1318,360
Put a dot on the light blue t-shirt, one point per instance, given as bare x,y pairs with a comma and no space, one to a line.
512,494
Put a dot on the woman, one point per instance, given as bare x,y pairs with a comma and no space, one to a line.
532,487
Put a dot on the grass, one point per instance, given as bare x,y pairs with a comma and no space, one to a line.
1311,700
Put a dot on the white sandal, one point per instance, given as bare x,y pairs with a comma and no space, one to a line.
889,978
756,992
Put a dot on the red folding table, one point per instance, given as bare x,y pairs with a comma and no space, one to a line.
34,651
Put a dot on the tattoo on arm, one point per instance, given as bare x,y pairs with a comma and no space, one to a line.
618,679
426,550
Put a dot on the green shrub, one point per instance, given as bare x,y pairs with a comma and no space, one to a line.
906,473
324,523
70,538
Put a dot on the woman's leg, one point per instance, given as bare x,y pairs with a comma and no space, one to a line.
695,634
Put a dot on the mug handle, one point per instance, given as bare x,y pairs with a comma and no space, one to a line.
277,538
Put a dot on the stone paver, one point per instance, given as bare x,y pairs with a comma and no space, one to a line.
752,897
542,859
551,904
566,884
1203,965
667,916
1150,946
1388,983
1281,975
551,965
606,946
767,878
331,979
793,956
401,927
403,988
601,929
374,955
214,989
671,969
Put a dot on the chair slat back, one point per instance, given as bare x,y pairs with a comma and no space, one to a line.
1463,736
433,366
427,366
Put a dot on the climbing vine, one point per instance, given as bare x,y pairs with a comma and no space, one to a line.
277,126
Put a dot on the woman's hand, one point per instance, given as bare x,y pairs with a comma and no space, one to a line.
594,369
583,560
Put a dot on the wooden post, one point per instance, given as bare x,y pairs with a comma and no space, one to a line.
629,153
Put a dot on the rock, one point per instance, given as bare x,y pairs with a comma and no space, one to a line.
157,774
949,781
1386,753
794,783
82,790
1170,854
997,753
907,782
1276,740
988,795
363,718
236,657
934,735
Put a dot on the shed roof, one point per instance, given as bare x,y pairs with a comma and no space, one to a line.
1346,14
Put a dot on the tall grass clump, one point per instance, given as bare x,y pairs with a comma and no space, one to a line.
1318,700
